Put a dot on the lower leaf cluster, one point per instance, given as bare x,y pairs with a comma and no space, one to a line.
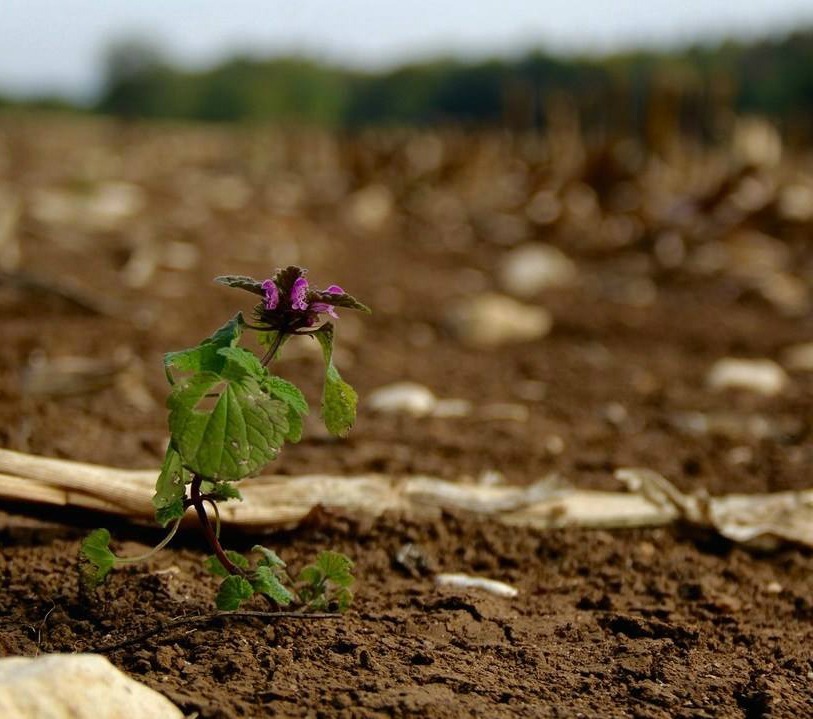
323,585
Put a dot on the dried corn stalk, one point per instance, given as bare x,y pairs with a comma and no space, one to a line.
272,502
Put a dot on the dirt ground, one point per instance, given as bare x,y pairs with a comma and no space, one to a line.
109,237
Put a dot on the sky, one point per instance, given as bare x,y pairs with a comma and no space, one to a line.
58,45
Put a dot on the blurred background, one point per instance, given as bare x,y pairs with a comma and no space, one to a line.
631,68
564,215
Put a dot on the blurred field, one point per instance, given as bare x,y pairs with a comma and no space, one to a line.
631,273
565,305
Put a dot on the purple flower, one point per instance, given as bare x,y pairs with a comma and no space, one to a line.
324,307
271,294
289,304
299,293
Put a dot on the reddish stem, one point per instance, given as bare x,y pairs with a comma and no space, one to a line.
197,500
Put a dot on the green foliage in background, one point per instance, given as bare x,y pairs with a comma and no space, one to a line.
767,76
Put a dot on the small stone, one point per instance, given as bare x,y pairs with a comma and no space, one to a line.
615,413
505,412
490,320
796,203
412,560
448,408
554,445
370,208
725,604
799,357
740,455
466,581
403,398
762,376
364,659
787,293
75,686
647,550
774,588
530,390
534,267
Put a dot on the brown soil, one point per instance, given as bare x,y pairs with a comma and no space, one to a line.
650,623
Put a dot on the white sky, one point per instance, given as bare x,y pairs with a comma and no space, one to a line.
56,45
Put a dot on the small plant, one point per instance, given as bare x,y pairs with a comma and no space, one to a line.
228,417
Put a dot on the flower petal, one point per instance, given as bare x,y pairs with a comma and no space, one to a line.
299,293
271,294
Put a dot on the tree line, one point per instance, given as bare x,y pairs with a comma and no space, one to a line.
696,84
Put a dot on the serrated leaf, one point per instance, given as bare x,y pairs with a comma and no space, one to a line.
327,579
295,426
246,361
96,557
344,598
171,512
233,592
339,399
213,565
170,488
241,282
238,436
266,582
269,557
205,357
335,567
287,392
310,575
222,491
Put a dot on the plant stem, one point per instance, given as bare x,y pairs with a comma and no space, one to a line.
208,530
163,543
268,357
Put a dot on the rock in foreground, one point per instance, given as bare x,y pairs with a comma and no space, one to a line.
75,686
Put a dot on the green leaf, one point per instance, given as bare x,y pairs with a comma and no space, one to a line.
327,581
222,491
205,357
329,567
344,598
339,402
269,557
170,513
266,582
242,282
213,565
287,392
96,558
310,575
339,399
233,592
238,436
294,426
170,488
335,567
245,360
338,300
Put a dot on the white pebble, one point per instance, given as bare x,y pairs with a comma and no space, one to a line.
466,581
403,397
763,376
